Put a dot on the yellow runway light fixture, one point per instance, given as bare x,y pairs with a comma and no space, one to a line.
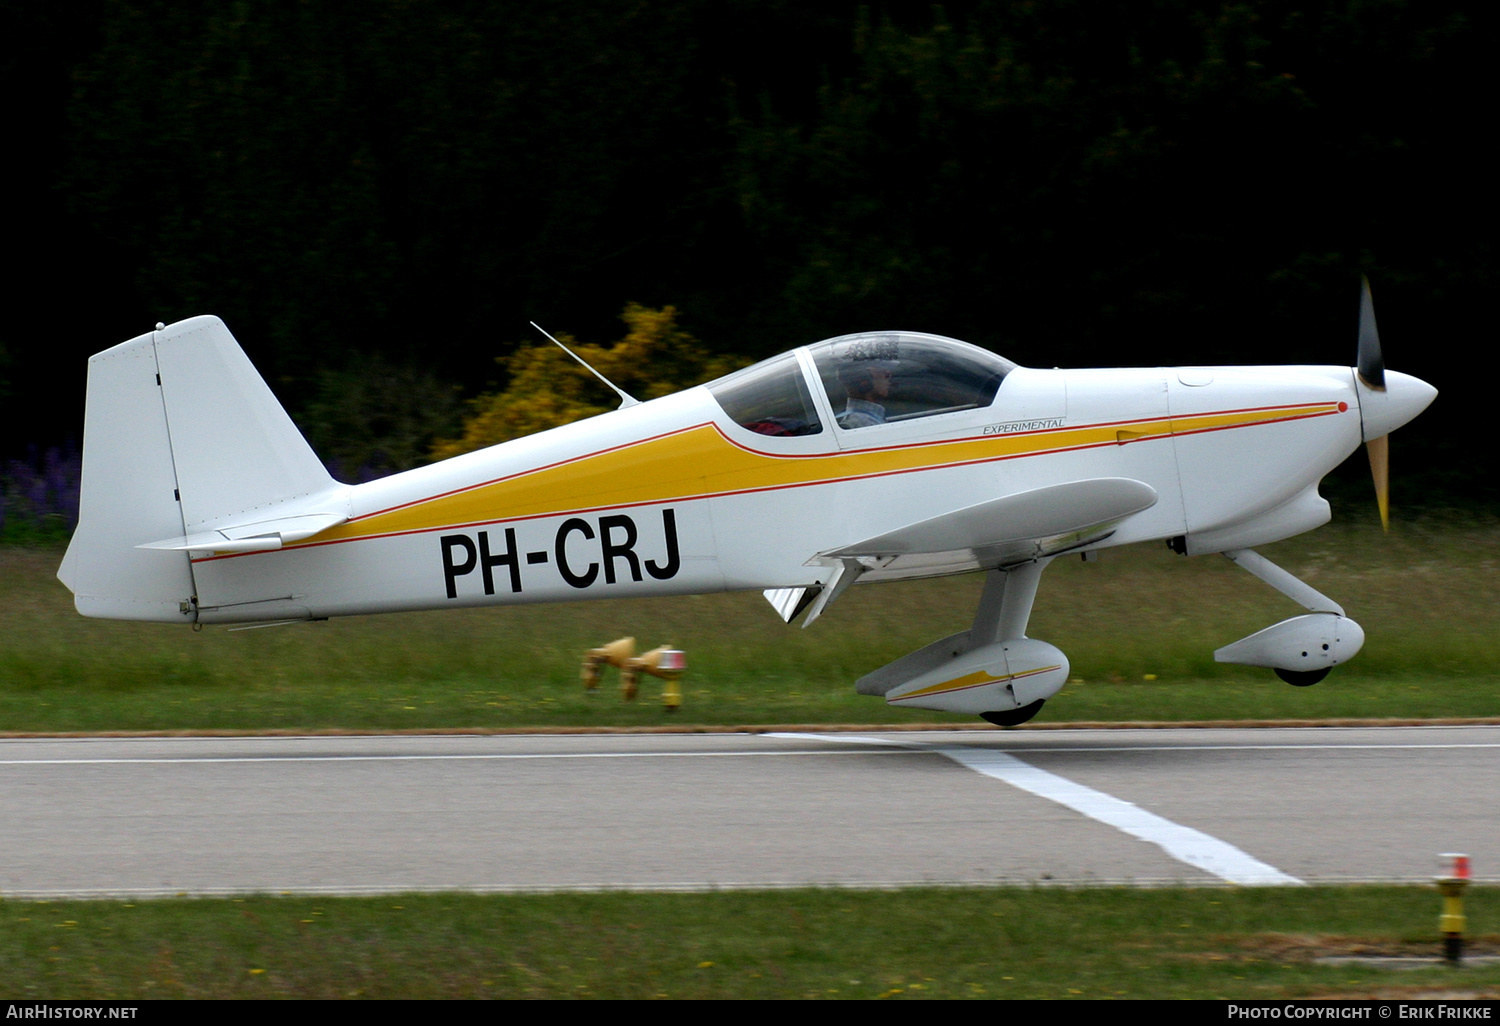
1451,886
664,662
616,653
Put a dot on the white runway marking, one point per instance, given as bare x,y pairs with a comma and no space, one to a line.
1184,844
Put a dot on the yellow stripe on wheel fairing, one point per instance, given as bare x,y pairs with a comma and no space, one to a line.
977,679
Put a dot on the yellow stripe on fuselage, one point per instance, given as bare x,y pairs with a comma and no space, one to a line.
701,462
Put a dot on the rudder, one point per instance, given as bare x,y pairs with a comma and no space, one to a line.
127,496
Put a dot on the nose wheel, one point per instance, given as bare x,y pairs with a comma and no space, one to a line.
1302,678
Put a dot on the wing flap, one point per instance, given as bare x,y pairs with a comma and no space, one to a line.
789,602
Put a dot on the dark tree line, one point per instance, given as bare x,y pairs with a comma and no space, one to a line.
402,184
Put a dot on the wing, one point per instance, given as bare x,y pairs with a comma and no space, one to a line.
998,532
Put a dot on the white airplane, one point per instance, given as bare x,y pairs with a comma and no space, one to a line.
872,457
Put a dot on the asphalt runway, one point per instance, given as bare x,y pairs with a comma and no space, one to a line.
151,816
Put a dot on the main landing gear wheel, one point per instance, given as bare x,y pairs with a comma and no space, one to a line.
1302,678
1016,717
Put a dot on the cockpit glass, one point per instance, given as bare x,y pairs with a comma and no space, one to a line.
770,398
881,377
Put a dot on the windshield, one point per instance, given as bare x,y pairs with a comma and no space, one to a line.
885,376
770,398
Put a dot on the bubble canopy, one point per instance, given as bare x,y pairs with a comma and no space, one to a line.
871,378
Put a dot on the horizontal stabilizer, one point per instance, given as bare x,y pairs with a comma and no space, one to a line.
258,537
1016,527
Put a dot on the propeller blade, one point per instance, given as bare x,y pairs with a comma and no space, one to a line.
1380,466
1371,364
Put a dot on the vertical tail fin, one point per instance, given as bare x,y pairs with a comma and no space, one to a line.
181,436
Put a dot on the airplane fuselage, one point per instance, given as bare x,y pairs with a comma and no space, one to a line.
673,496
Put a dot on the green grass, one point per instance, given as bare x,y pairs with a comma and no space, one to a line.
970,943
1139,626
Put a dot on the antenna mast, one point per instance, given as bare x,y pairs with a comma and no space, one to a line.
625,398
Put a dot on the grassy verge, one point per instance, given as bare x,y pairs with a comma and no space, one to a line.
1139,626
1105,943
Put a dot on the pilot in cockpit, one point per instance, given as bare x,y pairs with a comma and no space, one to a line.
867,383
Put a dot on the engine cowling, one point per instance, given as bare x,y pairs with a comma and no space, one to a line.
995,678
